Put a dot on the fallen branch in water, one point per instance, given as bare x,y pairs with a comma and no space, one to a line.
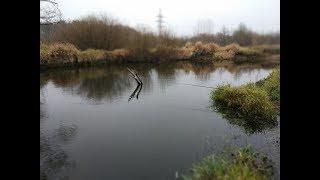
135,76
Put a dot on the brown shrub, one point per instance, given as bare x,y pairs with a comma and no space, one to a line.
189,45
166,53
92,55
224,55
58,53
233,48
121,53
211,47
184,53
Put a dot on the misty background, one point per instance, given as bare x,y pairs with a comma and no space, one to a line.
182,16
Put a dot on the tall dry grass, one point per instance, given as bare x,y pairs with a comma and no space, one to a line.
58,53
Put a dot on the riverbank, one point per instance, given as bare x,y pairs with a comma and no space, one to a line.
66,54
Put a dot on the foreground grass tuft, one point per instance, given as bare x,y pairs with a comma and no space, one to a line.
242,164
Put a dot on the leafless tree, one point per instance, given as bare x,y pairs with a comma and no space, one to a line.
49,12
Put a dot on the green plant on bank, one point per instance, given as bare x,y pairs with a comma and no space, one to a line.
271,85
240,164
244,102
254,103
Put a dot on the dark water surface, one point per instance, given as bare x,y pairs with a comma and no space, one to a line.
90,129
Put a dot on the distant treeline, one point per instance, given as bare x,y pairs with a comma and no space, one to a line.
104,32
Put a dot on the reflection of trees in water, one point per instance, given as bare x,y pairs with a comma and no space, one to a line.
166,74
106,86
201,71
97,83
54,161
112,81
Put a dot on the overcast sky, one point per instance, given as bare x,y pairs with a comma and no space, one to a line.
182,16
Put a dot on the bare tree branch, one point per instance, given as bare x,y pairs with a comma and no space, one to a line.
49,12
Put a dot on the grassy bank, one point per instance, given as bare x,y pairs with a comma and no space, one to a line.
271,85
240,164
66,54
255,103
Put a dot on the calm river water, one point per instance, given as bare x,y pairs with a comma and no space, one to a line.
90,127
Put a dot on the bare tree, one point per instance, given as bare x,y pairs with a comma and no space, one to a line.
49,12
223,37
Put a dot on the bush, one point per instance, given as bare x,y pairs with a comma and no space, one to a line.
92,55
227,52
233,48
165,53
245,102
198,49
211,47
58,53
242,164
224,55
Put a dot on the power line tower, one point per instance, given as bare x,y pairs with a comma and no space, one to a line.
160,22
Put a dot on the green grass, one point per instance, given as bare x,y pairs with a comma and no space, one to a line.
271,85
256,103
241,164
247,101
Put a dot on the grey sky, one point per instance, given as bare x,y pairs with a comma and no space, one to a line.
182,16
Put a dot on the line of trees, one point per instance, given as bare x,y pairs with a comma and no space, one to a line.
242,35
105,32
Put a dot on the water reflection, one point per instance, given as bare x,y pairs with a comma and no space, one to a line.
252,127
113,81
54,161
136,92
168,125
